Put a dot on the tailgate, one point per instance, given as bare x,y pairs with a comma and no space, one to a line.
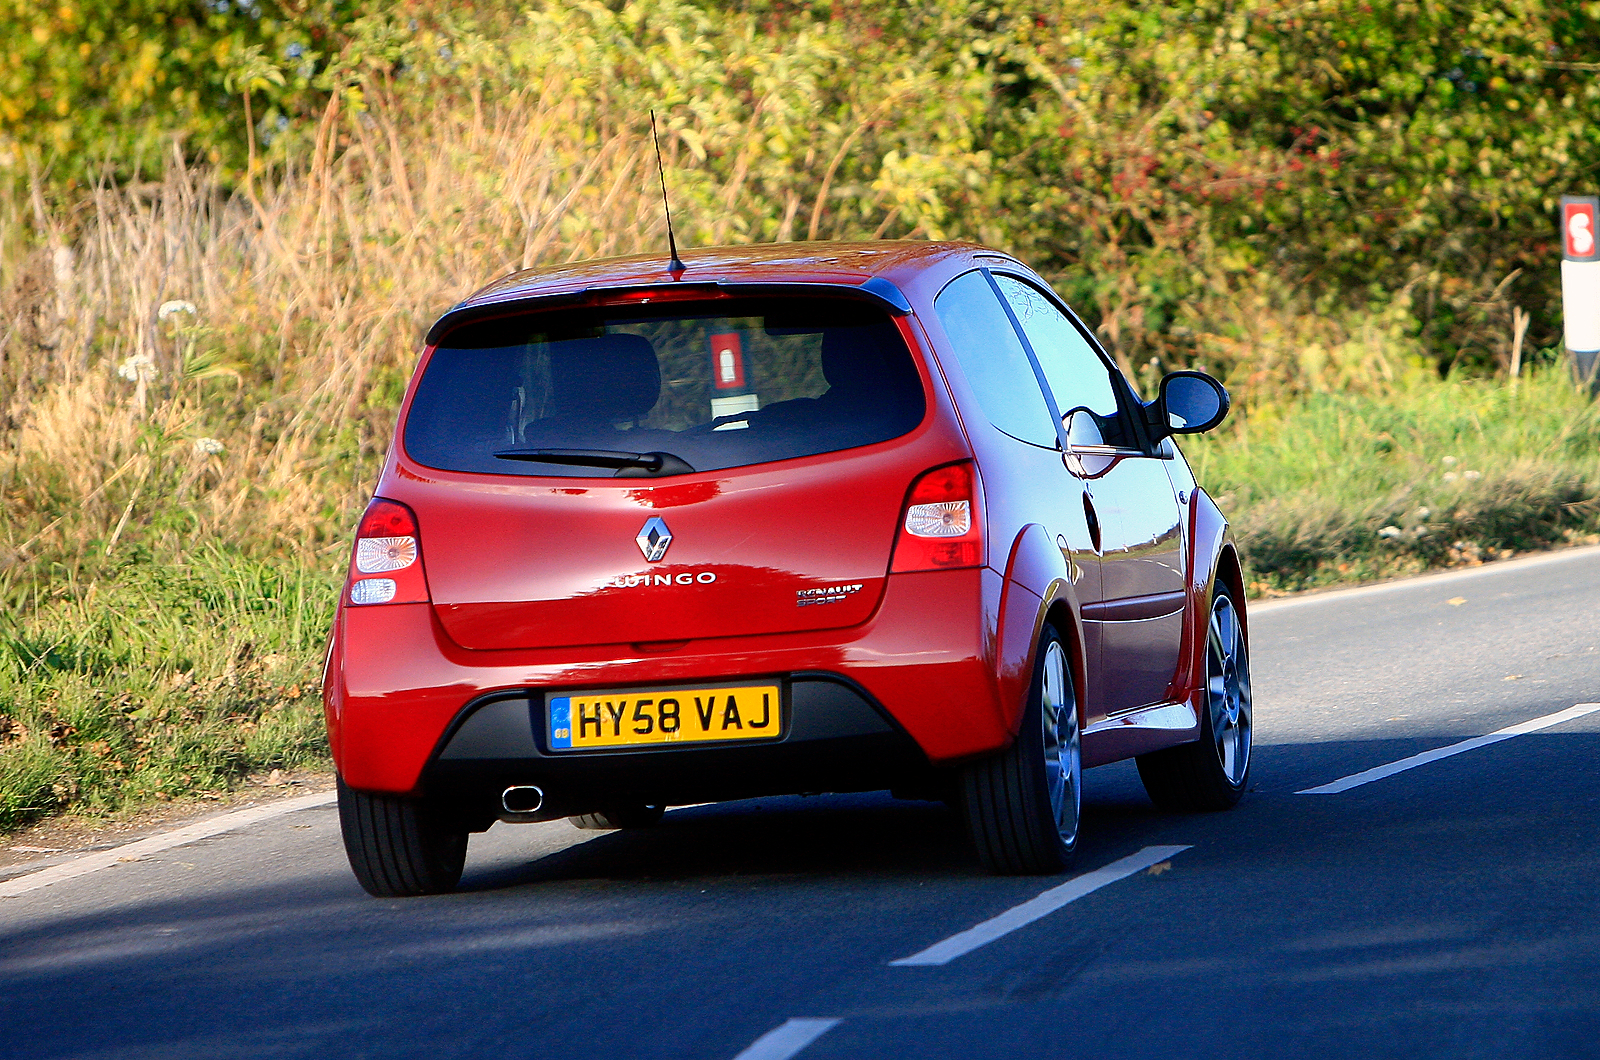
529,567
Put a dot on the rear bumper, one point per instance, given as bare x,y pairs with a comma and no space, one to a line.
836,739
400,697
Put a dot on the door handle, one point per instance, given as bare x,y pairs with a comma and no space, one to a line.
1093,520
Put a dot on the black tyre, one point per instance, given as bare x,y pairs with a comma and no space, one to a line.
1022,805
1213,772
633,815
399,846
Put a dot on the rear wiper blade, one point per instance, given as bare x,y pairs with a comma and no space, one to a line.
651,463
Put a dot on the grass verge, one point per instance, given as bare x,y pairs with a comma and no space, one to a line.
1346,487
160,679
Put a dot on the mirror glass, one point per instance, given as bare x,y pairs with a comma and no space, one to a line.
1192,402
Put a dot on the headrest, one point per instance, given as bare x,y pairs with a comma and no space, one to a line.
855,365
612,377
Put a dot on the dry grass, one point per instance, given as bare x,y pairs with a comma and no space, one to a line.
308,300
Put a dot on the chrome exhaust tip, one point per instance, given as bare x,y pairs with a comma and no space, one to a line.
522,798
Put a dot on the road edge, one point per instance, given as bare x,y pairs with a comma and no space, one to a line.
1421,581
17,886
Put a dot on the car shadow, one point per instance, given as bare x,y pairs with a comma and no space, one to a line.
866,834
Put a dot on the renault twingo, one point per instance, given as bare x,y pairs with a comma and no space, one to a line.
796,517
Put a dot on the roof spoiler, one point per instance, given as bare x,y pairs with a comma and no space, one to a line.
876,290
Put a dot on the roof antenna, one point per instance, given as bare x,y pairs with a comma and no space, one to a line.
676,266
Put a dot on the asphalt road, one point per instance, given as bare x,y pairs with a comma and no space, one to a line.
1448,910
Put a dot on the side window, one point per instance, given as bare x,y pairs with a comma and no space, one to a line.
993,360
1077,376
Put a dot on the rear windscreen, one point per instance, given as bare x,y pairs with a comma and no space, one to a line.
580,392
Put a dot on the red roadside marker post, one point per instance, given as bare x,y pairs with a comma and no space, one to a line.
1580,282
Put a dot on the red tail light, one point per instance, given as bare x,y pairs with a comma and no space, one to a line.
942,525
387,565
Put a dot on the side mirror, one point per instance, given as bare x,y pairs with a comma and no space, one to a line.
1189,403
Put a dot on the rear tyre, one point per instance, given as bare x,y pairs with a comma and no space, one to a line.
1213,772
633,815
1022,806
400,846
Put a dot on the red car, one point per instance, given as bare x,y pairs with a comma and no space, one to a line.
803,517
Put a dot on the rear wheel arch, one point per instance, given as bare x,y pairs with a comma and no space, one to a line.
1063,615
1216,554
1231,572
1215,558
1037,590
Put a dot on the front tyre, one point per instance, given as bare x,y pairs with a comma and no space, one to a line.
1213,772
1023,805
399,846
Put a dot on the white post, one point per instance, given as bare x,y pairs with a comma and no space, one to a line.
1580,281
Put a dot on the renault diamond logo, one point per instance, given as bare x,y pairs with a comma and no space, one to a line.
654,539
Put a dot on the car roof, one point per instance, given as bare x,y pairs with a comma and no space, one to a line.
878,268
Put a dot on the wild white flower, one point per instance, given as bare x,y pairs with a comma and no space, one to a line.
1389,531
1450,476
174,306
1448,461
1472,476
207,446
141,367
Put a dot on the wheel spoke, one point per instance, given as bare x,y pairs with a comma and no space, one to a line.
1228,689
1228,750
1062,755
1227,630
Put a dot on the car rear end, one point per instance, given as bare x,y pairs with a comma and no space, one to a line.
656,545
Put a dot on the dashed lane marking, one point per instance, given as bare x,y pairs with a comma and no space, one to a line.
785,1041
1036,908
1355,780
104,859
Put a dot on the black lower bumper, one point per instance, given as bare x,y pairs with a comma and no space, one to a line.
837,739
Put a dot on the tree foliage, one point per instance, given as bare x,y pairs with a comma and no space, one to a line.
85,83
1179,167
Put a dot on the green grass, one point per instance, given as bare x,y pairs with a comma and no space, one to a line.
1344,487
163,679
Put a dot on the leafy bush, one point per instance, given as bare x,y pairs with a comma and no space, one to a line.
95,82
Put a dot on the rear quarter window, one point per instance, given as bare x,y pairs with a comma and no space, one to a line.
993,360
715,386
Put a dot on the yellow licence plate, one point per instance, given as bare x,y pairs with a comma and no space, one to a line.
643,718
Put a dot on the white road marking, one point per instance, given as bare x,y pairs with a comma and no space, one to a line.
177,837
1036,908
1355,780
780,1043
